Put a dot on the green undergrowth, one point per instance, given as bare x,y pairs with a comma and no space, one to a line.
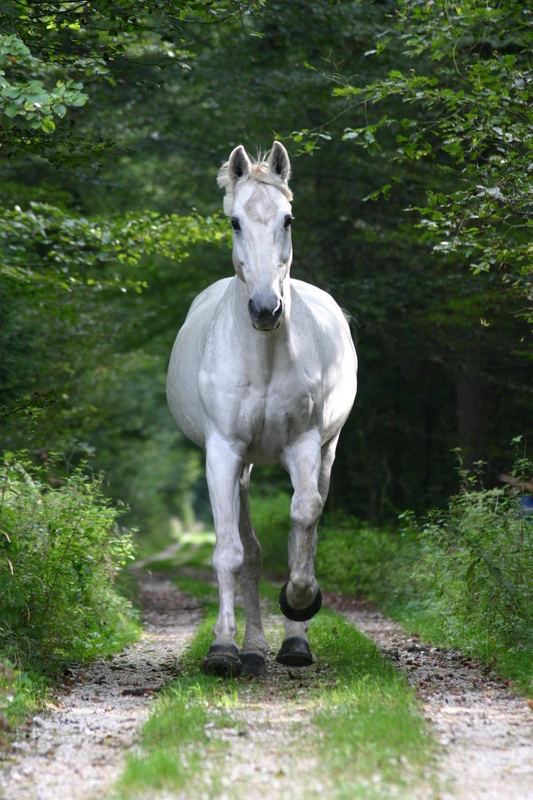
22,693
194,550
460,578
61,553
365,728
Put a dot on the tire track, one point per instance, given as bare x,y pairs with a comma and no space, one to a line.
486,731
77,749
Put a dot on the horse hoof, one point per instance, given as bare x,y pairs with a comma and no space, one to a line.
299,614
222,660
252,664
295,652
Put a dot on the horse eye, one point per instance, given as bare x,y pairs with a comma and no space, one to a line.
287,221
235,224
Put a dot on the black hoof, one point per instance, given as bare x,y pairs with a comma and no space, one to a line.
222,660
295,652
252,664
299,614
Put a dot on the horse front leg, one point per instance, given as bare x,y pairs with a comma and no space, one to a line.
295,650
223,467
300,598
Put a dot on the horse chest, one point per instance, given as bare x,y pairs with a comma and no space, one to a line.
266,412
271,419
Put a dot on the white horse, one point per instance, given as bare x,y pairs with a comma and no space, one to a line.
262,371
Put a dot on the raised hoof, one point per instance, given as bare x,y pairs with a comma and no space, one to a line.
222,660
299,614
295,652
252,664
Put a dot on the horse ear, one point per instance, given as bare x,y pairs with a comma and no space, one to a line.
279,163
238,164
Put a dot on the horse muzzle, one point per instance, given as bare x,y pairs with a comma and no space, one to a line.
266,317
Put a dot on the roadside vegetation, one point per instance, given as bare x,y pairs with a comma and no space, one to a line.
61,552
362,720
460,577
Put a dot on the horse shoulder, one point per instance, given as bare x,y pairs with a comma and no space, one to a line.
183,390
208,299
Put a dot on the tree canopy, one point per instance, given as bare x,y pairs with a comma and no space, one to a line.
408,126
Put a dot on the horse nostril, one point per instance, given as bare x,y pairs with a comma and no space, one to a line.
277,311
252,310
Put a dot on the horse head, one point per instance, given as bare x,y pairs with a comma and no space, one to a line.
258,202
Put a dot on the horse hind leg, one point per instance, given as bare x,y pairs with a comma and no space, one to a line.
255,646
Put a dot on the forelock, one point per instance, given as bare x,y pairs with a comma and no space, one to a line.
259,172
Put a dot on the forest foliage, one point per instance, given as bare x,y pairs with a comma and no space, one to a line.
407,123
60,551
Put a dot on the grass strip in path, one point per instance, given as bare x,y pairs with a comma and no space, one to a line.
374,742
347,727
176,740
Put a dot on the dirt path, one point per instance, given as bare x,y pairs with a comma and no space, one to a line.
77,749
485,730
271,754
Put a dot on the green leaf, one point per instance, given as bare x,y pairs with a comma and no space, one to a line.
48,125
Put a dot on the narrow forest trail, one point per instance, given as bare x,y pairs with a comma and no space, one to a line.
272,752
77,749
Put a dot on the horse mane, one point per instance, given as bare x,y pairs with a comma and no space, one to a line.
259,171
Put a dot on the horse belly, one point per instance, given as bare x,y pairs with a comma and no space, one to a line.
182,389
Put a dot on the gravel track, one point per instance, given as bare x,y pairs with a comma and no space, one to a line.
271,753
76,750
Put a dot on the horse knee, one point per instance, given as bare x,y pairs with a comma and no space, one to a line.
306,509
228,557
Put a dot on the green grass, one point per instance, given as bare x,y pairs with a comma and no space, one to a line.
174,739
22,693
363,715
427,580
460,577
438,587
375,742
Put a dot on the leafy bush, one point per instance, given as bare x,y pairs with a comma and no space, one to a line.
461,577
356,558
60,551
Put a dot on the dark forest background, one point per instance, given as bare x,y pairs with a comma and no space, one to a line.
408,126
